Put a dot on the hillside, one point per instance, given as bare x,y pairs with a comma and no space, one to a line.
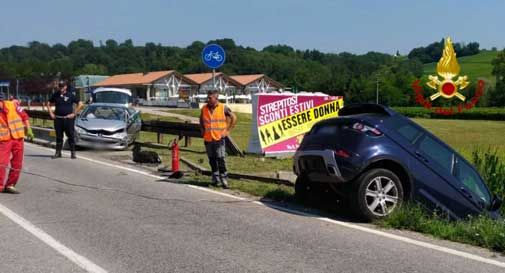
476,66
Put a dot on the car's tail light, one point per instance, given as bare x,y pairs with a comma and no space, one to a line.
366,129
342,153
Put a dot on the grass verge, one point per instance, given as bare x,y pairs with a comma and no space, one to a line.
279,193
479,231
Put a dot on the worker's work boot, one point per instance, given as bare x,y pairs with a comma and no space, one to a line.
215,179
57,154
11,190
72,151
224,180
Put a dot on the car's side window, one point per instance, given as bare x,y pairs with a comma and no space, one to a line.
437,152
406,130
409,132
471,179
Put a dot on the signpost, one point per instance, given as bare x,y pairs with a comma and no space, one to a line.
213,56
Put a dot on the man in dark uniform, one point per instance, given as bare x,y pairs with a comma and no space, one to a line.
64,116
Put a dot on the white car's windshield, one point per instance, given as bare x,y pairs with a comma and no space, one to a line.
111,97
104,112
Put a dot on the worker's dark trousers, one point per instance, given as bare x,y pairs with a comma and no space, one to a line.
64,125
216,152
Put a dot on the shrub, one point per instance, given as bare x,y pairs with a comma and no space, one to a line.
492,169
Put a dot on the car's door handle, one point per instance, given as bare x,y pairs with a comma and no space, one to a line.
418,154
466,193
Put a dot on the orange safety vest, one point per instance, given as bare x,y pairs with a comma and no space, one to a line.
13,127
214,123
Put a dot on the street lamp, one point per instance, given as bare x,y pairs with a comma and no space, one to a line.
377,91
17,88
87,87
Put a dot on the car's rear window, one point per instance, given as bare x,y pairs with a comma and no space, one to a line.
326,129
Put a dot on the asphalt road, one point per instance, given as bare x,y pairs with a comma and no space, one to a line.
124,221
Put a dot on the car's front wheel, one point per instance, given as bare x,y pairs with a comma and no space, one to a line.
379,193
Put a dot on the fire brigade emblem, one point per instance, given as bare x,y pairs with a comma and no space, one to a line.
447,69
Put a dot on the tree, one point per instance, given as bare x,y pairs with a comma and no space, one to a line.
497,96
433,51
280,49
93,69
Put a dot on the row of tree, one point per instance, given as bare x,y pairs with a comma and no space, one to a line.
433,51
357,77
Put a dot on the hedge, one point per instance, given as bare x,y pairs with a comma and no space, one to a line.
477,113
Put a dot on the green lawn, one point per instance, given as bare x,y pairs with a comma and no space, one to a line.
468,135
476,67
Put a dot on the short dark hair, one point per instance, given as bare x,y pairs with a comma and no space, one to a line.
213,92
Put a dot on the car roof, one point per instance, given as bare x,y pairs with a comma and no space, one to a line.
117,105
112,89
366,108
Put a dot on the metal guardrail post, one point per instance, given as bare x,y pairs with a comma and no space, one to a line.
187,141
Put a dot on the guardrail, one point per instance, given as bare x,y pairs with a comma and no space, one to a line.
181,129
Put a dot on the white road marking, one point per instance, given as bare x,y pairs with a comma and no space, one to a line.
324,219
395,237
102,163
81,261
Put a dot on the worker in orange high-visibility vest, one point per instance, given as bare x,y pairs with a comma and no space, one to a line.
216,122
14,126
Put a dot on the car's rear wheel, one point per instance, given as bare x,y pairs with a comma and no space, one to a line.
302,188
379,193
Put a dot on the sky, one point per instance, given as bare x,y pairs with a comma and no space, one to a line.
330,26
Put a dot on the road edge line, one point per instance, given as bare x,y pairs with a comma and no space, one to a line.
78,259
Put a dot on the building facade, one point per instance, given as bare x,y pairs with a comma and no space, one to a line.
159,88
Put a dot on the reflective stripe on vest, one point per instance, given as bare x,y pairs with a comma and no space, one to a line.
13,127
214,123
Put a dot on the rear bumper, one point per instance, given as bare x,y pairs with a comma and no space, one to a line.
318,165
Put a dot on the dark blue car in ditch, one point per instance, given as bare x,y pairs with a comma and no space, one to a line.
376,159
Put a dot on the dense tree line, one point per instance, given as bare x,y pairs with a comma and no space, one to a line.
354,76
433,51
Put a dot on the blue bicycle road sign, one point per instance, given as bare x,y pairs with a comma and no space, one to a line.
213,56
